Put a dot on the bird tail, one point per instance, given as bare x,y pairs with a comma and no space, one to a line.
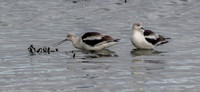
167,38
116,40
161,43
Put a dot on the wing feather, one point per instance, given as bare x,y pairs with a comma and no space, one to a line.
91,35
153,38
95,39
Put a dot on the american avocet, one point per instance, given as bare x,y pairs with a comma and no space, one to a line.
90,41
145,39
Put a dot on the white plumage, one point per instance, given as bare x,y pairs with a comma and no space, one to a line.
90,41
145,39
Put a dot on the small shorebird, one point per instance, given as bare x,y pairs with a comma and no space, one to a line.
145,39
90,41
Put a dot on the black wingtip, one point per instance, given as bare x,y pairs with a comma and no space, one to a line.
58,43
116,40
167,38
162,43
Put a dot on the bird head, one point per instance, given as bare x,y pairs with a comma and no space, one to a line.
137,26
70,36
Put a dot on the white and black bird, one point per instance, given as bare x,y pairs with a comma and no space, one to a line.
145,39
90,41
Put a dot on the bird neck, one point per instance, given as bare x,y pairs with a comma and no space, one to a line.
76,42
137,31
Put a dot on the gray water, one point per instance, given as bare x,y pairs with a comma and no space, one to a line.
172,67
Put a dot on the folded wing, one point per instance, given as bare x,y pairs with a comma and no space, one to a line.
154,38
96,39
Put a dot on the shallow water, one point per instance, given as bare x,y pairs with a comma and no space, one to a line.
173,67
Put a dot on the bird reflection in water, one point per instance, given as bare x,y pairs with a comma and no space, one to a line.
100,53
105,53
144,52
84,54
148,61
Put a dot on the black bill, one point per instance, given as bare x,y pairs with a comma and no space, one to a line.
58,43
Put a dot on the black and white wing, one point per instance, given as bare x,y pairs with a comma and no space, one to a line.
154,38
95,39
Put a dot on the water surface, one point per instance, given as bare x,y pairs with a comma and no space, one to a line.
173,67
